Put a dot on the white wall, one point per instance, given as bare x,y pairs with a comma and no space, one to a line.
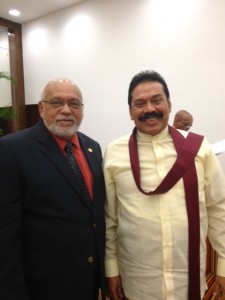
101,44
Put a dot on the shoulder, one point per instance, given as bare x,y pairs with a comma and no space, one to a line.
192,136
87,142
17,137
25,134
123,140
118,147
85,138
205,148
189,134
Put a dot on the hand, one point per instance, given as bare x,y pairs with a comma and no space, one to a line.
219,290
115,289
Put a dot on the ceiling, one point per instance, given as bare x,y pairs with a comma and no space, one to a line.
32,9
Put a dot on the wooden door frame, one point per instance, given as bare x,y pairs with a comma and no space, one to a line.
16,70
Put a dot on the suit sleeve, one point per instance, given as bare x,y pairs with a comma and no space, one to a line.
12,283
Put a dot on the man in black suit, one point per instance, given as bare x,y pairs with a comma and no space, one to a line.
52,235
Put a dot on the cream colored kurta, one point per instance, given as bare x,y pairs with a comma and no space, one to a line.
147,236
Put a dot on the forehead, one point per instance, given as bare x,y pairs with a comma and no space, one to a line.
187,118
147,89
62,89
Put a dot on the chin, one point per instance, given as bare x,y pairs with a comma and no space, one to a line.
63,132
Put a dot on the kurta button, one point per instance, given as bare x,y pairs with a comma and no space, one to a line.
90,259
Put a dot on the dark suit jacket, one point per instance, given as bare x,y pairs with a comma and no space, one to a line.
49,239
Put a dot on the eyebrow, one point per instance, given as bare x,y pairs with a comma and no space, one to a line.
60,99
152,97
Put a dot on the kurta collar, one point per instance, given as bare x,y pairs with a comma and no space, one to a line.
145,138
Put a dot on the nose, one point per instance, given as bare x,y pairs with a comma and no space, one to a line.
65,109
149,107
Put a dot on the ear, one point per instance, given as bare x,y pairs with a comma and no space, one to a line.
131,115
169,105
40,108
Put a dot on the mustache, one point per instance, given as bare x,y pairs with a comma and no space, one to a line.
151,115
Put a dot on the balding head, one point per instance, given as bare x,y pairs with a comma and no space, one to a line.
57,85
61,107
183,120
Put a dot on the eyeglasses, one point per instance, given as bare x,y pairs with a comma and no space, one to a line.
54,103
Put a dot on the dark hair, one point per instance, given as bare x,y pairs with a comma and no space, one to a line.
146,76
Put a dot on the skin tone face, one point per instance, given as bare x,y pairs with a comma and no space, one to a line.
184,122
150,107
62,120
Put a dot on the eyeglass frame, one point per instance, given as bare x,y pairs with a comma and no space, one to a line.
56,103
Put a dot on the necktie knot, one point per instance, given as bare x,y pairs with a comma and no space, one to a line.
69,147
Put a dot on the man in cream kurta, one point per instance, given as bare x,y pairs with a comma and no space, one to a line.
147,236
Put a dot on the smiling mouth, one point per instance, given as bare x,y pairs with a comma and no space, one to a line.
150,118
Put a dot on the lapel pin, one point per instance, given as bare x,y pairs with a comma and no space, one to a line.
90,150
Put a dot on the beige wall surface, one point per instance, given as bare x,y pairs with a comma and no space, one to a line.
101,44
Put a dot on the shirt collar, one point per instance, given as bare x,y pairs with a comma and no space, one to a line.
62,143
143,137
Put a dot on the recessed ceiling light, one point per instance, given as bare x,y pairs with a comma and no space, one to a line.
14,12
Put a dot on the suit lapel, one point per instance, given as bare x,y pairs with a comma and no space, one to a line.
51,150
91,153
